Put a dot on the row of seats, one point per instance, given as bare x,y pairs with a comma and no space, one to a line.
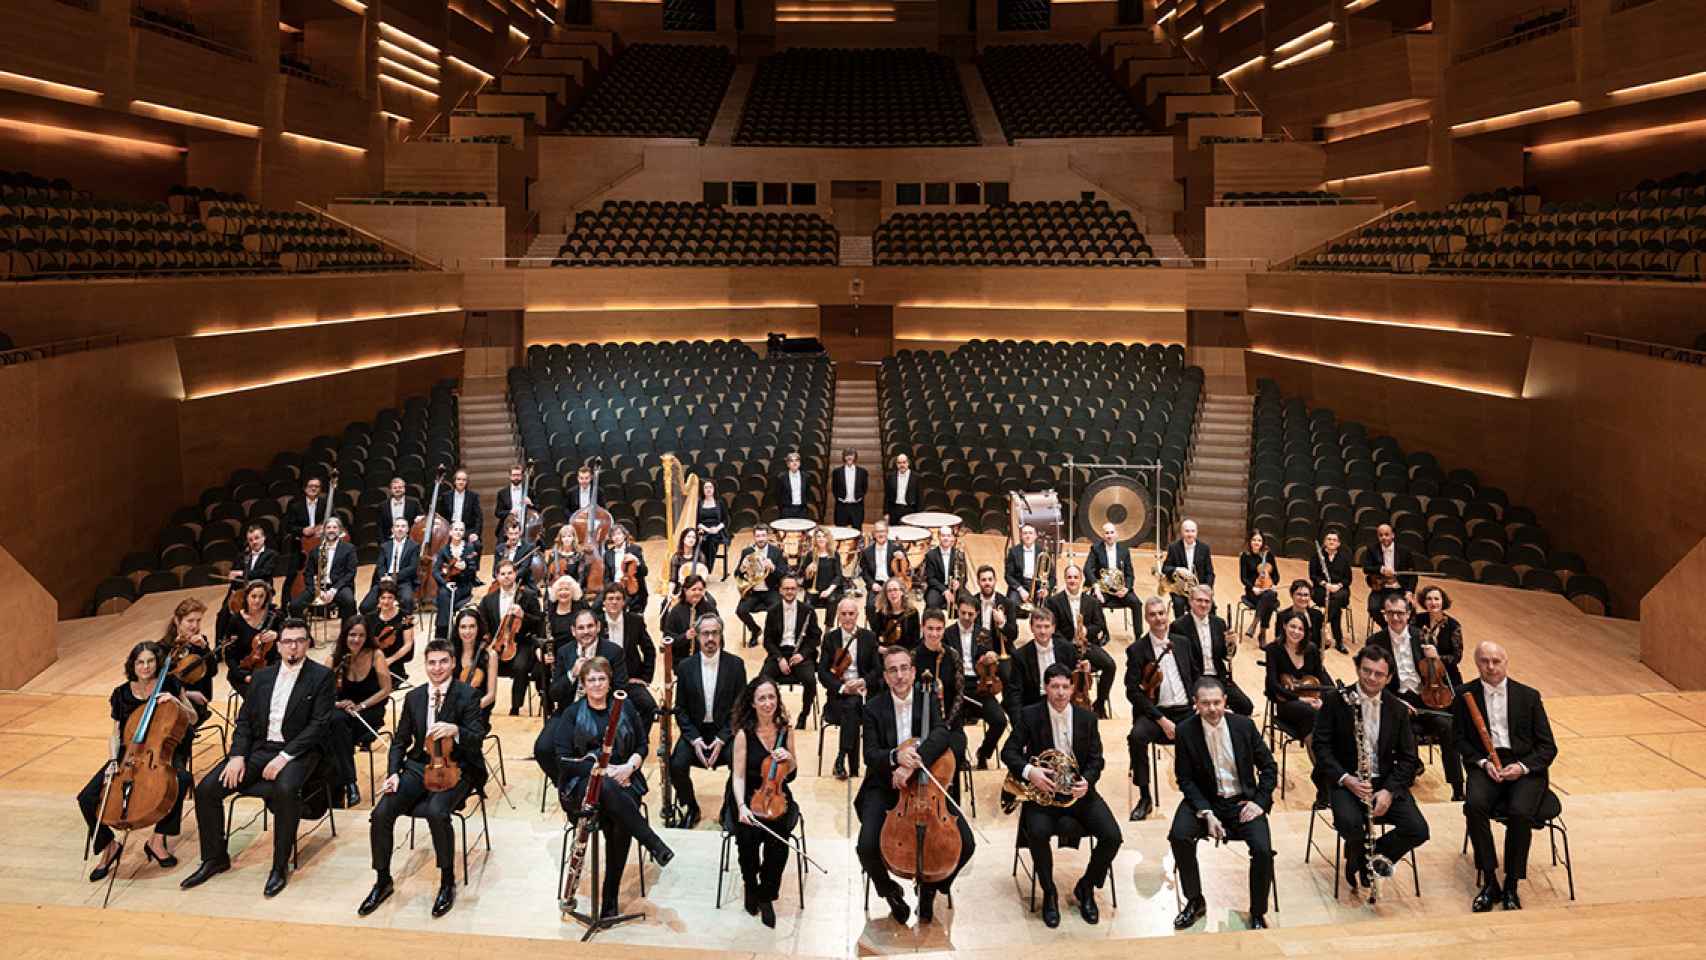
677,233
1056,90
656,90
1028,233
425,198
1284,198
856,98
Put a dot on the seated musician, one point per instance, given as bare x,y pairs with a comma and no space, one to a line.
875,563
1256,562
1294,665
275,744
1330,572
791,490
616,556
1204,628
996,615
904,731
761,737
683,563
971,642
625,630
1031,661
1409,650
578,741
456,571
1191,556
683,618
823,579
1111,556
764,559
706,688
1447,633
1388,560
393,631
1055,724
303,516
510,595
1020,570
329,580
1157,661
845,691
441,708
1395,765
256,621
938,668
141,672
399,567
182,638
565,662
1302,605
476,658
363,687
1512,782
894,621
563,598
942,568
257,563
791,637
1078,616
1226,775
512,547
563,558
711,527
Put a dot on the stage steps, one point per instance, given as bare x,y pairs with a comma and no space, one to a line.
1217,477
489,446
856,426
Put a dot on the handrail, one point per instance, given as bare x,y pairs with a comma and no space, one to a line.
1661,351
1290,263
1176,263
1571,18
1135,207
54,348
639,165
184,36
376,238
1298,202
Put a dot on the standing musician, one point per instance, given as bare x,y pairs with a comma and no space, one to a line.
399,565
458,504
946,571
1384,560
938,668
1110,554
706,688
904,730
625,630
256,621
1433,621
456,571
1193,557
845,693
393,631
620,551
1055,724
182,637
1255,564
1330,572
275,744
996,614
901,488
363,687
330,577
1226,775
1513,781
791,636
1314,621
399,505
1077,613
971,643
566,662
1021,568
1294,662
1155,716
441,708
791,490
683,618
762,737
822,579
894,621
847,486
1204,628
141,670
257,563
874,563
583,496
494,608
768,561
511,499
1391,752
711,527
1032,660
302,518
512,548
1408,650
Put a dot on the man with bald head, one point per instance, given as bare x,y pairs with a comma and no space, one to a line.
1191,556
1387,560
1510,778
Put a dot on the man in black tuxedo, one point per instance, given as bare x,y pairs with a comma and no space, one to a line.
510,595
943,583
1033,660
1021,567
564,664
584,494
763,594
399,562
1192,556
275,746
706,688
303,517
847,486
893,716
1155,718
900,489
1514,780
509,546
398,505
970,641
616,556
791,636
791,490
1405,684
258,562
1204,629
337,588
1396,765
512,497
457,502
845,693
1110,554
1386,559
1075,608
996,615
442,707
1227,775
1055,724
874,563
626,631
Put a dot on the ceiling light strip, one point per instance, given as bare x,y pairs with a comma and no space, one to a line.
1373,372
329,371
1407,324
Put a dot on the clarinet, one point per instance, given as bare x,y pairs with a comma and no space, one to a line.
1379,867
589,806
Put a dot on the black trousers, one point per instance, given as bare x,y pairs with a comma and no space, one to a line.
682,760
545,748
343,600
1236,699
1039,824
283,796
413,799
89,801
1439,727
1145,731
872,811
1336,603
1103,663
1264,603
622,821
708,546
850,514
521,670
645,706
1377,600
344,736
1409,828
846,711
1519,799
762,857
1188,828
1130,601
1297,716
405,598
756,601
994,718
803,675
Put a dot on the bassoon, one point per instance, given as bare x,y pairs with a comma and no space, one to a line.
589,804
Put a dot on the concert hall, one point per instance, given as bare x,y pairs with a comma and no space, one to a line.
722,479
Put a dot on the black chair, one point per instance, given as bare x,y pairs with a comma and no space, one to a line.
461,815
728,839
317,781
1320,811
1071,835
1551,816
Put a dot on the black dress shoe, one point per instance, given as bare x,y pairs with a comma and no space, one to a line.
205,871
752,901
609,909
1051,909
352,797
1194,910
1085,894
800,724
166,862
1258,921
1340,646
841,768
983,763
898,908
1456,793
381,892
927,905
662,855
446,899
101,872
1512,901
690,818
767,914
1144,808
276,881
1486,899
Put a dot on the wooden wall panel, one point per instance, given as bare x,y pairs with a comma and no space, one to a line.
624,326
29,642
39,136
222,364
315,173
49,40
1275,233
1670,623
912,324
1534,74
458,238
175,73
443,166
1493,363
1396,149
1346,79
338,114
1231,167
1671,38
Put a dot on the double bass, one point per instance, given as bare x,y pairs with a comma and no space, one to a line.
920,838
432,532
311,539
592,528
143,784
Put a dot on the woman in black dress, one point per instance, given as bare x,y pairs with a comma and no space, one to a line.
824,583
363,687
1448,641
683,563
140,670
712,527
472,646
456,571
562,599
696,601
257,620
183,638
1302,606
393,633
894,621
1293,659
763,734
1263,600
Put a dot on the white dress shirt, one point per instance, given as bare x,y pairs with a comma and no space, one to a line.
1404,656
254,558
1219,737
1045,659
583,496
968,649
1371,729
1205,639
281,690
900,481
794,496
708,671
1389,557
790,622
515,499
1113,550
1191,558
986,615
1172,693
399,509
1498,713
435,695
1075,604
397,553
313,511
1060,724
850,644
506,599
1029,557
903,719
880,552
847,481
456,499
613,626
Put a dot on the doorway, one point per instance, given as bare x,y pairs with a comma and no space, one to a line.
856,338
857,206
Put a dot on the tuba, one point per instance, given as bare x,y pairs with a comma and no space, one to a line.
1061,767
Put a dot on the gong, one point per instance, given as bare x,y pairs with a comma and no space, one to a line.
1119,500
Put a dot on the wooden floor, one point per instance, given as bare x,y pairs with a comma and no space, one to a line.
1631,771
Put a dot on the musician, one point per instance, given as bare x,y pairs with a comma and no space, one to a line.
946,573
257,563
938,666
393,632
363,686
511,548
706,688
476,657
256,621
1255,563
822,578
1405,682
683,563
1446,631
1111,555
996,614
1384,561
512,498
275,744
904,731
791,636
616,555
441,708
768,562
711,528
1226,775
901,488
456,571
625,630
141,672
1155,719
1314,620
845,693
562,598
1021,569
1192,556
182,638
762,737
894,620
1330,572
1294,661
1513,782
564,559
584,495
330,577
1203,628
497,605
684,617
1033,659
971,642
399,564
460,504
874,563
791,490
1076,613
303,516
847,486
566,662
399,505
1390,744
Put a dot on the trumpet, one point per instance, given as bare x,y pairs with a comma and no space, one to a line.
1061,768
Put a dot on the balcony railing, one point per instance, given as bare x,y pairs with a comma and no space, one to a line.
179,29
1527,28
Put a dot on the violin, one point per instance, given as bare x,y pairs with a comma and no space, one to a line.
143,785
386,639
508,629
989,675
920,839
1307,686
477,669
631,576
769,802
1152,675
190,660
455,566
261,644
1081,684
442,771
843,661
1436,683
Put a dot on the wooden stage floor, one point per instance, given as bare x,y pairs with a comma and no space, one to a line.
1631,771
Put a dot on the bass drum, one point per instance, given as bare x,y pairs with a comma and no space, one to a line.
1041,510
1119,500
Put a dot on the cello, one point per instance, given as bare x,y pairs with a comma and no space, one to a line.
431,531
592,528
143,785
920,838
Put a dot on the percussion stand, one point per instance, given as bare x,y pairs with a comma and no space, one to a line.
1163,519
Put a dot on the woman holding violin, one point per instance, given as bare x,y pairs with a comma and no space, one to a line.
1294,666
194,663
712,528
563,557
456,571
1259,573
393,633
141,671
251,638
477,657
759,773
894,621
1446,631
363,686
1302,605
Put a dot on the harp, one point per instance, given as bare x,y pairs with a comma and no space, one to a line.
680,508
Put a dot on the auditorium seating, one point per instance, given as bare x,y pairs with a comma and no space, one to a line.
996,417
1068,233
694,234
424,198
1285,198
1313,473
655,90
1056,90
856,98
723,411
203,540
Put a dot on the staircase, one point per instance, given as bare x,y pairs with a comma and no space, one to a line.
855,426
1218,476
543,248
856,252
488,441
1165,245
727,123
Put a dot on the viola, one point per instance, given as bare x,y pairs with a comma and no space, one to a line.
920,839
989,675
442,771
509,628
839,666
1152,675
1081,684
477,669
769,802
144,783
261,644
631,576
1436,685
190,660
